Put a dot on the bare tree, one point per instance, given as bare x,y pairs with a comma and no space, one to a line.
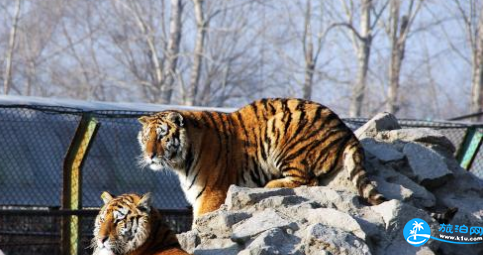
398,31
151,47
231,66
362,42
310,59
11,48
471,15
35,35
201,27
172,50
147,46
305,30
476,103
317,34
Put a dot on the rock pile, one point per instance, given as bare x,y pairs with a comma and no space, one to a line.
415,168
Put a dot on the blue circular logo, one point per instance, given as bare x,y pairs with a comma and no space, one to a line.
417,232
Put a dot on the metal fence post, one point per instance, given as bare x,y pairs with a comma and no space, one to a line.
72,182
469,148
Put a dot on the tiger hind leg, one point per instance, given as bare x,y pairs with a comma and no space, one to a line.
287,182
293,177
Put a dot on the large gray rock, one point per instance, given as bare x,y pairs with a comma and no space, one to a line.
383,151
276,201
333,241
394,190
342,200
381,122
189,240
395,185
238,197
217,247
263,243
427,166
220,222
260,222
337,219
421,135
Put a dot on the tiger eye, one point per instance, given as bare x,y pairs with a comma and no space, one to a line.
162,130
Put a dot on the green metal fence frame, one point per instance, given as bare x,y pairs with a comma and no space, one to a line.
467,151
72,182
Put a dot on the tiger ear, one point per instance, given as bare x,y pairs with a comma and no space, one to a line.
176,118
106,197
143,120
145,202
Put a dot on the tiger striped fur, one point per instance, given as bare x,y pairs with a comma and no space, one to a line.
269,143
444,215
129,225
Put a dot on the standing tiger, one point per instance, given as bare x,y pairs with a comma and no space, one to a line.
129,225
268,143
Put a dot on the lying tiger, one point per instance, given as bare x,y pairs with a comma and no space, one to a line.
269,143
129,225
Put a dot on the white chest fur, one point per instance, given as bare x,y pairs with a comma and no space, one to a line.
190,189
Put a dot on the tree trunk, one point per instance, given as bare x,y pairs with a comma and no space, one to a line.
7,83
396,58
308,54
31,70
156,69
477,80
197,53
398,49
363,54
172,50
309,77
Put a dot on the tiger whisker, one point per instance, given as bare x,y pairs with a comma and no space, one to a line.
141,162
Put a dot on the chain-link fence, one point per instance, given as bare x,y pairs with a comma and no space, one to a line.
457,133
33,143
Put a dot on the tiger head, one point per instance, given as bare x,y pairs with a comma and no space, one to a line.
123,223
163,140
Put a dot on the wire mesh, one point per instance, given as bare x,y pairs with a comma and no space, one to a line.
32,146
20,234
34,141
477,167
23,234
